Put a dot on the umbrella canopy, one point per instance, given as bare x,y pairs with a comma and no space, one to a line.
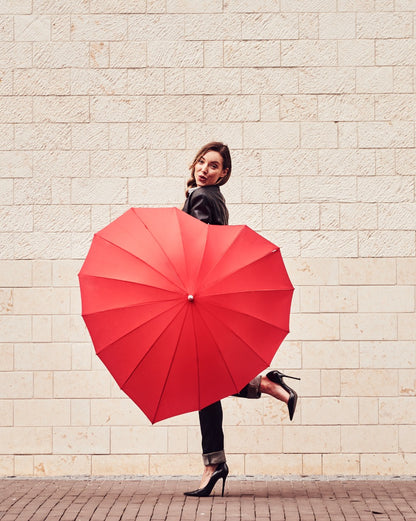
183,313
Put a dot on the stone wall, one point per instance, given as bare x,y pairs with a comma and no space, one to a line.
103,104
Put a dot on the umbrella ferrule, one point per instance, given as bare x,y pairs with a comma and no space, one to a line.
190,298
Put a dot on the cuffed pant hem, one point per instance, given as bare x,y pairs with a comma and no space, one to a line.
251,390
214,458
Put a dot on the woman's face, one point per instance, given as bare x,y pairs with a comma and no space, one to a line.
208,169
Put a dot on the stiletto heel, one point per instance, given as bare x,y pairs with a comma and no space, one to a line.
220,472
277,377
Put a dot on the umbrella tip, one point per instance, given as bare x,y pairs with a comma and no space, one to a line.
190,298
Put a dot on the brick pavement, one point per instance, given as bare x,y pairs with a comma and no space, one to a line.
246,499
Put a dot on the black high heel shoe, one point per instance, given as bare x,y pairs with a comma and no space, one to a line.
220,472
277,377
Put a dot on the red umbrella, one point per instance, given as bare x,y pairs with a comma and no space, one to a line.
183,313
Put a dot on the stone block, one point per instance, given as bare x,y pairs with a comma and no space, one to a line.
386,243
270,26
60,6
32,28
337,26
98,27
329,411
397,410
118,109
62,465
7,465
326,80
367,271
368,410
119,465
80,412
231,108
298,108
42,357
116,412
252,53
118,6
15,328
15,164
273,464
15,109
378,355
330,355
15,55
174,108
212,81
60,54
395,52
369,438
374,80
330,383
387,464
357,216
312,464
194,6
313,439
357,53
166,136
302,216
139,440
316,135
369,382
309,53
265,80
16,7
123,54
81,384
58,109
81,440
43,384
6,413
211,27
253,439
26,440
39,413
175,54
96,82
341,464
381,134
23,465
43,136
386,299
160,465
230,133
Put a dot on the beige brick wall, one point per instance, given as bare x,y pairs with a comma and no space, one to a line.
102,106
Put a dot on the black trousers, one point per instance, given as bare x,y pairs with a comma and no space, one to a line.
210,421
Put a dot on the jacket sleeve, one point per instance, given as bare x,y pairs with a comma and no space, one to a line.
200,207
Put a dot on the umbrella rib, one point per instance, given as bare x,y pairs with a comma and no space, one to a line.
219,351
101,277
161,249
138,327
170,366
241,268
141,260
223,254
120,308
246,315
238,336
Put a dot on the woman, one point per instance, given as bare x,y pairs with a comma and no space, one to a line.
211,169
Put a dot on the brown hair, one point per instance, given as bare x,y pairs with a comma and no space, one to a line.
216,146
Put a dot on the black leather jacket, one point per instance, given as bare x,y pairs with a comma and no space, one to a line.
207,204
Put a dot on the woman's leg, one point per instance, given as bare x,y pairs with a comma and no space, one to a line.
210,421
